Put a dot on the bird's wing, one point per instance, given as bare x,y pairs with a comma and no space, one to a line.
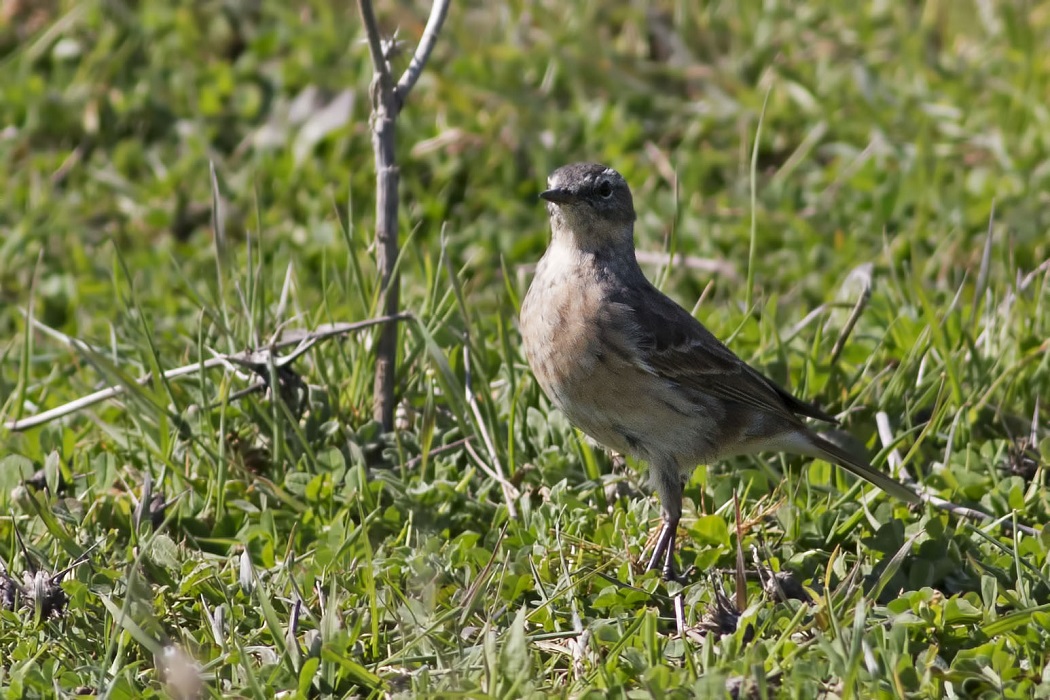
679,348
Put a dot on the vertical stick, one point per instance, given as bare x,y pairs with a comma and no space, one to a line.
387,100
387,178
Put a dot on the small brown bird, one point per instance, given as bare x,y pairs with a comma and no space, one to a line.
635,371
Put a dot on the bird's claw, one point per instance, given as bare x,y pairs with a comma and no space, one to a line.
663,555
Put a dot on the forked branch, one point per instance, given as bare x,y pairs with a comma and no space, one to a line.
388,98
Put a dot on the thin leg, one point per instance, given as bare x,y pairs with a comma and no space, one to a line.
663,553
664,544
669,572
667,479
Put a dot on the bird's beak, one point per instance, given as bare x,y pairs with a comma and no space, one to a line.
558,195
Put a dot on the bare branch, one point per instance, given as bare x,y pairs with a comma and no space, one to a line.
387,101
249,359
375,40
438,11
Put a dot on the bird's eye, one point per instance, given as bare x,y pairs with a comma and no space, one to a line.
605,189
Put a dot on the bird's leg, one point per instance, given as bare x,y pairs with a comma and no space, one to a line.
670,572
663,553
668,482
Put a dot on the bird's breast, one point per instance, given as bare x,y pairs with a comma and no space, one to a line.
583,349
558,323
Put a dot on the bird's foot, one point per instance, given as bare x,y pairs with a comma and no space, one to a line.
663,556
669,572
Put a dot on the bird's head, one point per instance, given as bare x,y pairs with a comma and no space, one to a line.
590,204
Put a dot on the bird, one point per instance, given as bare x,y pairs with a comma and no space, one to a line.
639,374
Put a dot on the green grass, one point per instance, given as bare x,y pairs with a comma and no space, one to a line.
305,552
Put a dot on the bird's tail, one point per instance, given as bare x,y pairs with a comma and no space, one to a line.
824,449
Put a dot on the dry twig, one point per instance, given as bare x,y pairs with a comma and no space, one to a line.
258,361
388,98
